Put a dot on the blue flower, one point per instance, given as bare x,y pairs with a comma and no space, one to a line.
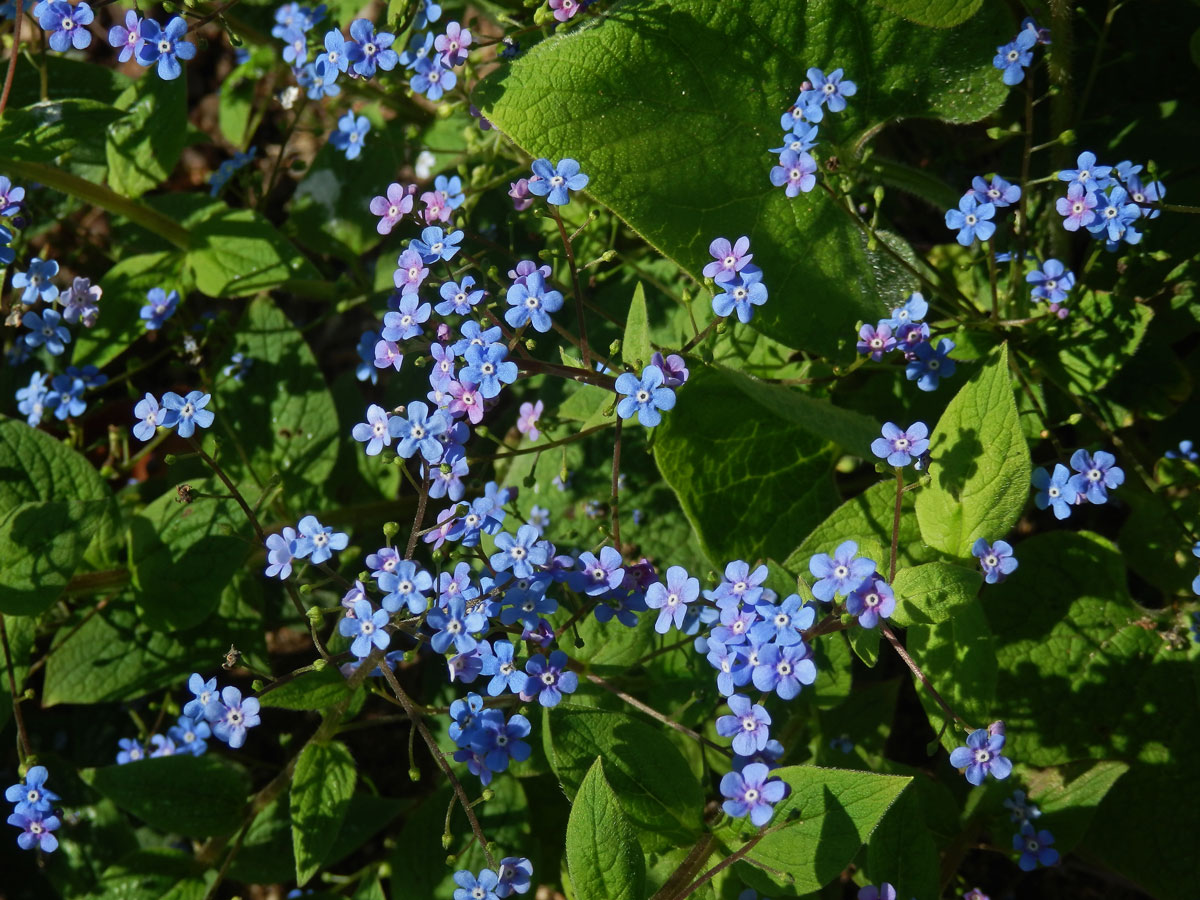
406,322
996,560
498,741
1052,282
800,139
841,574
67,24
373,432
317,542
981,756
369,49
190,734
1056,491
749,725
672,598
474,335
67,395
1022,810
999,192
1115,216
10,198
186,412
784,669
731,665
1185,451
506,676
365,370
1014,56
447,478
899,447
521,552
599,574
515,873
35,282
159,307
131,751
296,51
335,57
166,46
128,37
531,302
752,792
743,292
831,90
549,678
645,396
432,78
914,309
488,368
782,624
459,298
231,716
1144,195
972,219
32,795
46,329
1097,474
350,134
418,430
873,601
435,244
367,627
203,692
1087,175
32,398
555,182
1035,848
281,551
450,190
796,172
405,586
470,887
36,828
930,365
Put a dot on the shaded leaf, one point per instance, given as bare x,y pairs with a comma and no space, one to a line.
603,855
320,796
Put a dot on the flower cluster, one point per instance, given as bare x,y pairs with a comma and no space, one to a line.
1095,475
906,331
515,876
846,574
309,540
34,812
181,413
977,208
145,41
222,714
1107,200
486,740
61,394
796,170
740,280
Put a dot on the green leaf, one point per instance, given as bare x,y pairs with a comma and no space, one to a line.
22,631
735,465
902,851
833,813
312,690
195,796
936,13
184,554
865,519
979,463
630,114
1071,794
125,287
285,415
958,657
603,855
52,131
635,345
144,146
650,777
865,643
933,592
41,545
321,789
238,253
114,655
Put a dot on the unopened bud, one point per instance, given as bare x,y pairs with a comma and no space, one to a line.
996,728
319,665
447,840
257,685
488,794
169,459
414,774
315,615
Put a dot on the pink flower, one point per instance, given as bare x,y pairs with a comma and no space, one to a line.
519,191
466,400
565,9
397,204
527,422
436,209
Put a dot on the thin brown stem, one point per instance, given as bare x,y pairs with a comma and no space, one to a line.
614,503
24,746
422,500
916,670
721,866
583,341
12,58
655,714
896,523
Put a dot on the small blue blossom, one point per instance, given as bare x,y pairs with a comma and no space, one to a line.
435,244
531,302
601,574
281,551
471,887
841,574
405,323
873,601
555,182
369,49
159,307
831,90
1185,451
1097,474
316,542
749,725
981,756
456,626
521,552
418,430
800,139
185,413
998,192
1052,282
1087,175
874,341
972,220
783,624
352,130
46,330
796,172
488,368
406,585
334,58
742,292
930,364
67,24
459,298
899,447
1115,216
783,670
1035,848
1056,491
996,560
165,46
1013,58
203,692
516,874
189,735
35,283
432,78
373,432
36,830
231,716
130,751
914,309
646,396
32,398
32,795
727,259
548,679
11,198
128,37
1021,810
752,792
367,628
506,675
671,598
